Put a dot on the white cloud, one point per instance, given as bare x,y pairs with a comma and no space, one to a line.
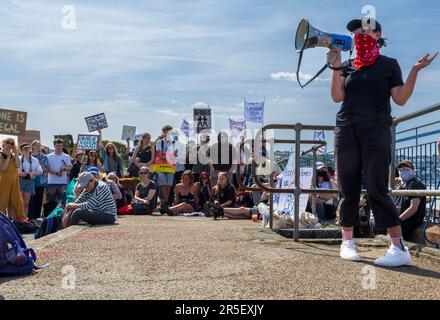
168,113
291,76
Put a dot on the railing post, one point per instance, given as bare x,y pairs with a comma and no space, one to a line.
298,128
314,183
393,157
271,211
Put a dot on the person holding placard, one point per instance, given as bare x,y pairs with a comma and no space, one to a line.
143,155
112,160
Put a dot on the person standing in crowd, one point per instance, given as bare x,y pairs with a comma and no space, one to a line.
94,206
186,193
166,150
92,162
143,156
412,210
144,201
325,208
112,160
77,164
199,156
10,199
222,155
59,165
191,154
363,135
36,201
29,169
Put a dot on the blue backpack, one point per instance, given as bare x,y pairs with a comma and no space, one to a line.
15,258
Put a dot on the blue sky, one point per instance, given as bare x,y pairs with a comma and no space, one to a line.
147,63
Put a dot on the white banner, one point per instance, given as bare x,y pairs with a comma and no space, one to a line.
237,128
254,111
285,203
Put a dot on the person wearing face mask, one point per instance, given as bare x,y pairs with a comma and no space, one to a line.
412,209
363,135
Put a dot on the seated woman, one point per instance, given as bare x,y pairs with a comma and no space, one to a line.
144,201
119,192
224,195
325,208
186,198
204,189
242,212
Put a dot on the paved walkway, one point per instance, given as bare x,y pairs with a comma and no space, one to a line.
197,258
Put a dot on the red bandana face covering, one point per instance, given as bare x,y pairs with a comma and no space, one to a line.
367,50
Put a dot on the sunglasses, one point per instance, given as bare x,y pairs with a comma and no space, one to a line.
143,173
10,143
92,154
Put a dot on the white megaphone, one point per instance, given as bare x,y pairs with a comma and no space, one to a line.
308,37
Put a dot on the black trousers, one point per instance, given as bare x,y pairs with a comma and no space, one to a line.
36,203
365,149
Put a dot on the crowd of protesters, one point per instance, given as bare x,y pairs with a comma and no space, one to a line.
203,179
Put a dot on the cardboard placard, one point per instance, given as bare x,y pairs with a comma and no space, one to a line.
13,122
87,142
96,122
202,119
128,132
29,136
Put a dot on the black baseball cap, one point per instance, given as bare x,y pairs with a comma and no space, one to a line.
355,24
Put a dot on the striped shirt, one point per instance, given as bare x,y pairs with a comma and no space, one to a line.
100,199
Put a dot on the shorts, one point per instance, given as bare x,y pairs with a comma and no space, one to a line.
27,185
55,192
165,179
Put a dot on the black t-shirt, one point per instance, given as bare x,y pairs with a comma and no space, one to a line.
145,154
143,191
404,202
368,92
223,195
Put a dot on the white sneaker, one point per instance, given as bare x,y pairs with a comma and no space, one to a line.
395,257
348,251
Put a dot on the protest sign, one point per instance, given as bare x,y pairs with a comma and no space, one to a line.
29,136
237,128
128,132
254,111
96,122
202,119
87,142
13,122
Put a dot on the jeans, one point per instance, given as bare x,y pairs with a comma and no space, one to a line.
36,203
93,217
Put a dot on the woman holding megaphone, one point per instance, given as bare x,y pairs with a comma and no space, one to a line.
363,134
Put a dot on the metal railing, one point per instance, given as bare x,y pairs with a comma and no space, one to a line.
297,191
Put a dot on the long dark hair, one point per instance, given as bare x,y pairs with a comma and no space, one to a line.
96,161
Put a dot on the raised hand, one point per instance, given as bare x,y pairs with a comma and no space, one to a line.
425,61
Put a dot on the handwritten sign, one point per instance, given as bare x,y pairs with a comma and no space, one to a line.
87,142
96,122
128,132
202,119
13,122
254,111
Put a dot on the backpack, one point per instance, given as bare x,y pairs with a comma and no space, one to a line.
15,258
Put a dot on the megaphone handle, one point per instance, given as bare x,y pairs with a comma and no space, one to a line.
299,68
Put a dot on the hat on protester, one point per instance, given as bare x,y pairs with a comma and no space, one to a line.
93,170
320,165
405,163
84,178
355,24
24,146
78,152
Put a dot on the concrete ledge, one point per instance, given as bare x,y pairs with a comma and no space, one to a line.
332,233
41,243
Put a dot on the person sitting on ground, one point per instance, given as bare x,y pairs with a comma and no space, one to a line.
122,200
204,189
92,161
242,212
223,194
145,198
325,208
412,209
94,206
114,188
185,196
30,169
112,160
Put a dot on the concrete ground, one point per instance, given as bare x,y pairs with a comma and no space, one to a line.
157,257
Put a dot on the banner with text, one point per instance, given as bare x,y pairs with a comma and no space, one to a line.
254,111
12,122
